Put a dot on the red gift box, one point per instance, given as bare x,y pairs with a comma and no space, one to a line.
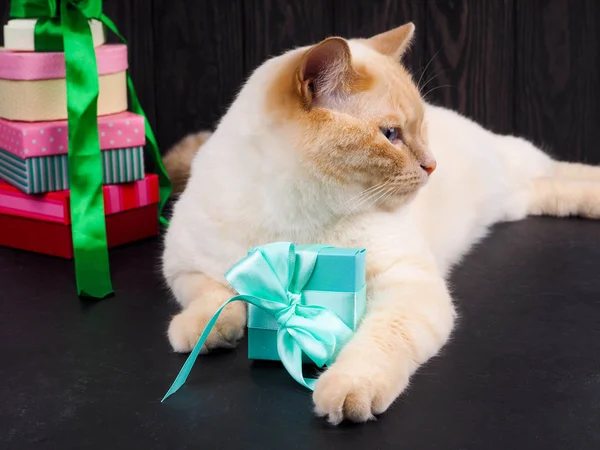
42,223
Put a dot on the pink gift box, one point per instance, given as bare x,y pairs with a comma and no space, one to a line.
29,139
111,58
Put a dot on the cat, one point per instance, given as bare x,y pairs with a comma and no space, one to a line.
333,143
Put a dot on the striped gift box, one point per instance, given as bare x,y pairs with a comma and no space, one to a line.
50,173
42,222
54,206
33,156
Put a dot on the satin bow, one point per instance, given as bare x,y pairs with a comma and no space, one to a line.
272,277
64,26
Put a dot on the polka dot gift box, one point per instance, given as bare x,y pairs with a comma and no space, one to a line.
33,155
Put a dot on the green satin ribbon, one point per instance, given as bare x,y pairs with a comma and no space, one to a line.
64,26
272,278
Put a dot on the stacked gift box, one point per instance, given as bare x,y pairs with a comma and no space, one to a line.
34,172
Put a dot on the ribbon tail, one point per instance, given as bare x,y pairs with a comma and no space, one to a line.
163,178
85,161
290,354
191,359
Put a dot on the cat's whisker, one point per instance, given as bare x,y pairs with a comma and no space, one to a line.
425,69
389,194
360,197
366,198
383,195
364,192
373,199
438,87
371,194
397,190
359,201
431,79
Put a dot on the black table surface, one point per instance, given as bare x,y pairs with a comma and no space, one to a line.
521,372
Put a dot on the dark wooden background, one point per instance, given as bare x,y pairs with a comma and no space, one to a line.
529,67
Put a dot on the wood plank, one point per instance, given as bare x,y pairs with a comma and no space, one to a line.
471,48
198,63
366,18
274,26
4,8
134,20
558,74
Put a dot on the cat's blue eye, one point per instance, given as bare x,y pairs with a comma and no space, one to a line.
391,134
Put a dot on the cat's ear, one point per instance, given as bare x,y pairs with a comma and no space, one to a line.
324,69
394,42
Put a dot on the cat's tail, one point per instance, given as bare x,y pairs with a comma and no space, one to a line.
178,159
573,189
552,187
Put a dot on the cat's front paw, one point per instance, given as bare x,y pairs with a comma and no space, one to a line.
187,326
356,392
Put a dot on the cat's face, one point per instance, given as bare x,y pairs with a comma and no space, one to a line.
356,116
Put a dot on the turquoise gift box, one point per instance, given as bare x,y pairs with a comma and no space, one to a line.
304,304
337,272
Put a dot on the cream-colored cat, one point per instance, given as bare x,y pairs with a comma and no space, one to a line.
334,144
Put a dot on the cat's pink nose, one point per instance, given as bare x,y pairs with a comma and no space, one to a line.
429,167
